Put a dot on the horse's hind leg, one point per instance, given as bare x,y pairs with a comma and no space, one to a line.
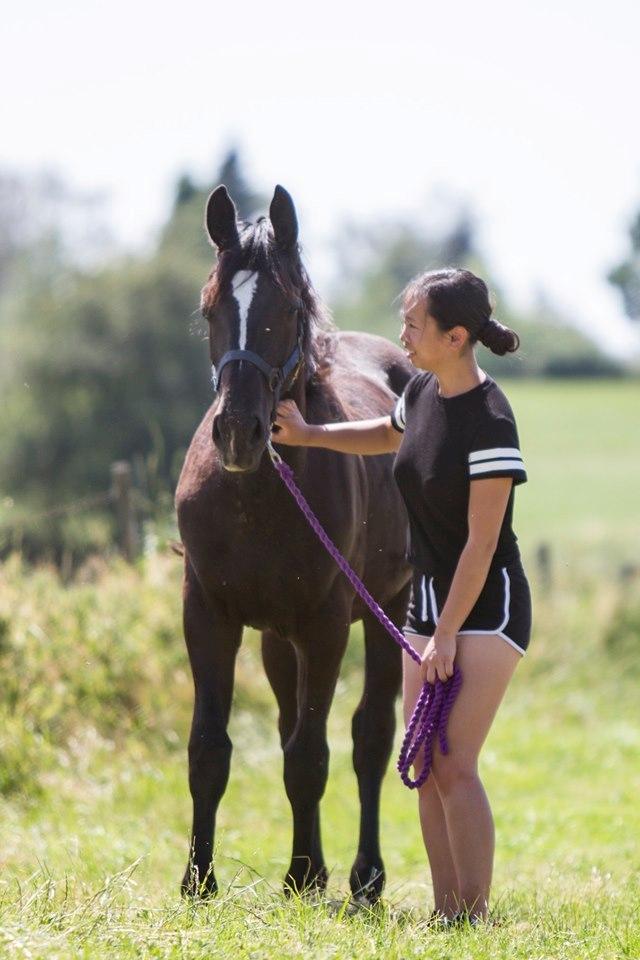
212,643
373,728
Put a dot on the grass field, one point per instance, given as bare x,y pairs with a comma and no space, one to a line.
581,445
95,701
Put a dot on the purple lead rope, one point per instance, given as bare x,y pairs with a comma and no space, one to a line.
435,701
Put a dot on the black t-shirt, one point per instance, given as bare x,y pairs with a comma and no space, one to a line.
447,443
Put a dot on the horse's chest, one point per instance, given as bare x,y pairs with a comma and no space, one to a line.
261,572
263,594
252,549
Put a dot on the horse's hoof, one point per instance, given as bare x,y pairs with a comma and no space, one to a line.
196,889
344,908
367,883
306,882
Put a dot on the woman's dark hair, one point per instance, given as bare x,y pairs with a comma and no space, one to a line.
457,298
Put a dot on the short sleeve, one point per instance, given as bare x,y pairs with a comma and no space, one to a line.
495,452
407,397
399,413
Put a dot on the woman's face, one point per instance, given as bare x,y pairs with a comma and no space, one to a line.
425,344
422,339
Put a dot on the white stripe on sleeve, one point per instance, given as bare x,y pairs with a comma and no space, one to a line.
494,454
400,412
492,465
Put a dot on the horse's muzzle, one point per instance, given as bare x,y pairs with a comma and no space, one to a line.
240,441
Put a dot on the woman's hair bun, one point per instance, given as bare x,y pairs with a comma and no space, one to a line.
497,338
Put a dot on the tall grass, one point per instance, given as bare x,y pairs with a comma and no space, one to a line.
95,700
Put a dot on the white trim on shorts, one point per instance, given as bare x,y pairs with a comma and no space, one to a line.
499,631
423,590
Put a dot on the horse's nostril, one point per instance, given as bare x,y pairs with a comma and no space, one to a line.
257,429
215,430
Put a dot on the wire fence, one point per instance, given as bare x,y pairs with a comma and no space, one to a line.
129,504
121,497
76,506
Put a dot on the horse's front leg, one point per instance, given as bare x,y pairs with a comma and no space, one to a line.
281,667
212,643
306,753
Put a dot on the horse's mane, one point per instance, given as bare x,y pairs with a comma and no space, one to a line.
258,251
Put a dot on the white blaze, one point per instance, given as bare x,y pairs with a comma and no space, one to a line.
244,286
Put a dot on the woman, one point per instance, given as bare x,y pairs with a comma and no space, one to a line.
457,463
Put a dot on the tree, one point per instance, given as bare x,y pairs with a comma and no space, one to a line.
379,261
248,202
184,237
103,363
48,223
626,276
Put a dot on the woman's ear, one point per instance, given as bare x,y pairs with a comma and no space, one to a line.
458,337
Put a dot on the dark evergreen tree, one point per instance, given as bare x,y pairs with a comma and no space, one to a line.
183,237
248,202
626,276
185,190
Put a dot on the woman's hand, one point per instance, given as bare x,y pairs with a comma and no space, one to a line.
437,659
289,426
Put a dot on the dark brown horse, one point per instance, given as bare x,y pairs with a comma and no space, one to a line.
251,559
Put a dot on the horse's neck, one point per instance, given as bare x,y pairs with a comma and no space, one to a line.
298,392
296,457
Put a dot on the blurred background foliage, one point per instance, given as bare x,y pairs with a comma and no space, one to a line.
103,355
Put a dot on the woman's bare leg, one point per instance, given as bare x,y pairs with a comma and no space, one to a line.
487,663
446,891
446,888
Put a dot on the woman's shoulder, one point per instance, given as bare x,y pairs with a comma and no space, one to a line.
495,403
493,423
417,384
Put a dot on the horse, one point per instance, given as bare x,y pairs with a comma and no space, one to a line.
251,560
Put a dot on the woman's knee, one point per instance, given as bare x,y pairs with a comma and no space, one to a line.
454,770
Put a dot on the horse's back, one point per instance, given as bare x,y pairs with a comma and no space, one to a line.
368,373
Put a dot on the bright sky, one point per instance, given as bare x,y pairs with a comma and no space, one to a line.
528,112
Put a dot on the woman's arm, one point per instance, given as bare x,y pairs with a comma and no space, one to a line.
355,436
487,504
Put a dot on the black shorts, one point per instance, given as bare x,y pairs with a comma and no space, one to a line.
503,607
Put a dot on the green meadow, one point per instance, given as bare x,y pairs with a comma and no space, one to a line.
95,698
581,444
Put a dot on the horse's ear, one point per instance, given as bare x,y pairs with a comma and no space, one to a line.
220,219
284,221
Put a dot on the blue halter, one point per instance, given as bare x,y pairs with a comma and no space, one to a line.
276,377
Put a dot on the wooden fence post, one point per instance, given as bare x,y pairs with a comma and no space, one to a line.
543,563
628,572
121,486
